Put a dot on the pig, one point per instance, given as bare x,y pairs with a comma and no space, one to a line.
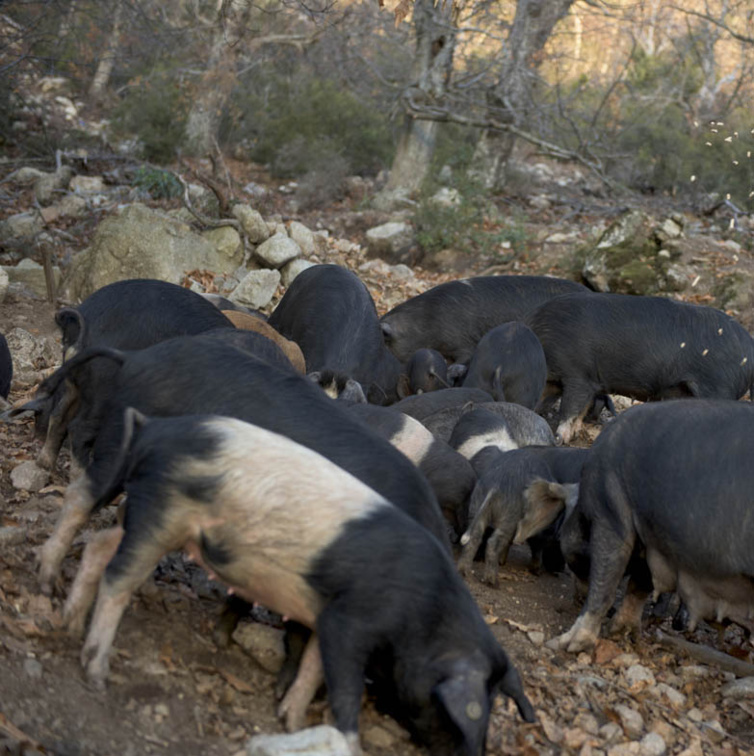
453,316
667,485
427,371
526,428
338,386
330,314
6,369
647,348
174,376
479,428
509,363
130,314
381,594
420,406
449,474
248,322
498,503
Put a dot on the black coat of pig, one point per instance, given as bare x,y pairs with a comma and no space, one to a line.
449,474
181,374
498,504
525,427
330,314
427,371
424,405
6,368
453,316
319,546
509,363
647,348
131,314
673,482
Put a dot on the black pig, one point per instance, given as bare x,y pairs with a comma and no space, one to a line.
6,368
427,371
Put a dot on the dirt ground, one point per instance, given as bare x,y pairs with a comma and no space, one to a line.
173,691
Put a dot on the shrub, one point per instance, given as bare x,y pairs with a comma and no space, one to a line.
160,184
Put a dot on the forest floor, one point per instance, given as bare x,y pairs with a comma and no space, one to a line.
173,691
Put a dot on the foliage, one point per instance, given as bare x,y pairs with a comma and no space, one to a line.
160,184
155,110
299,126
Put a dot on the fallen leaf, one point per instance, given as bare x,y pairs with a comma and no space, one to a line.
236,682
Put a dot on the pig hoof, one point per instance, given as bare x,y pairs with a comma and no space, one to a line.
490,579
352,738
74,623
292,715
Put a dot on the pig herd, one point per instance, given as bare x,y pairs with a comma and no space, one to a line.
333,466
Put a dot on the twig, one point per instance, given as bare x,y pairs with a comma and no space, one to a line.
7,727
707,655
203,219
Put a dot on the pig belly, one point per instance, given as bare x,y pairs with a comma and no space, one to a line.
717,598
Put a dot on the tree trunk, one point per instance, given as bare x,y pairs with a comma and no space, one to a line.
435,40
510,100
107,61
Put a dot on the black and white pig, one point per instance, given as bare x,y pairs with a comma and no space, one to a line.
509,363
449,474
6,369
453,316
331,315
427,371
174,376
320,547
131,314
526,428
648,348
672,481
498,504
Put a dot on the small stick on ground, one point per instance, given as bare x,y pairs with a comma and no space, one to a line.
707,655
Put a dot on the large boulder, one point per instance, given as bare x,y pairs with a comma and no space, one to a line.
633,255
390,242
143,243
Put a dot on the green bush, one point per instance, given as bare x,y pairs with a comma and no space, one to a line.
155,110
296,127
160,184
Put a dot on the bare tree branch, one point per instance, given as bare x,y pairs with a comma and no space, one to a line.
716,22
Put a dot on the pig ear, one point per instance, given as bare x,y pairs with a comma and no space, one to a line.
387,332
456,372
465,698
404,386
544,501
315,376
510,685
353,392
72,326
498,392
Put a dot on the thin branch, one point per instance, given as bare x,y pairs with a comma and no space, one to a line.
716,22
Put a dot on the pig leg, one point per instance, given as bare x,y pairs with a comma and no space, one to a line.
77,505
496,552
98,552
295,640
472,538
308,680
577,399
610,556
628,616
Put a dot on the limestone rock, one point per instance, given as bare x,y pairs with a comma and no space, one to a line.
314,741
446,197
743,688
30,354
277,251
303,237
631,721
50,185
290,270
652,744
252,223
639,677
226,241
29,477
257,288
390,241
22,226
88,185
263,643
142,243
31,275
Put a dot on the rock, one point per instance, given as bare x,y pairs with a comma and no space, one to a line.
605,651
262,643
652,744
33,669
540,202
29,477
31,275
560,238
88,185
574,738
3,284
714,730
610,732
48,186
314,741
446,197
30,353
694,671
624,749
257,288
625,660
142,243
587,722
302,236
204,200
553,730
743,688
537,637
674,697
389,200
12,535
226,242
22,226
390,241
277,251
669,229
638,678
252,223
695,715
290,270
631,721
26,175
